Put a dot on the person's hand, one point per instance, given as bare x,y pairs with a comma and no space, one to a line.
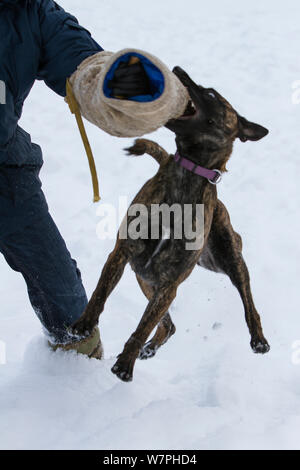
130,80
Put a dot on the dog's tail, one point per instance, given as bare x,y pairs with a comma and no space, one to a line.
142,146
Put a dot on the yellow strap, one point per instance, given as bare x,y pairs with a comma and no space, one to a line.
74,108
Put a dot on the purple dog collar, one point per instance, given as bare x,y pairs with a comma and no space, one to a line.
213,176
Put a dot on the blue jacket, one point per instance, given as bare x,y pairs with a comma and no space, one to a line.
38,40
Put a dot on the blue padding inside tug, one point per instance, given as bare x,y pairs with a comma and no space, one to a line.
156,78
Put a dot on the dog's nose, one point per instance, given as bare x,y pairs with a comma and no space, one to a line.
182,75
177,69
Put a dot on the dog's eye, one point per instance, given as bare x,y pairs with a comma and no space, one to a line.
211,122
210,94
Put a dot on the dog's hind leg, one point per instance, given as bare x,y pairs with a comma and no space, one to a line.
156,309
110,276
164,331
223,253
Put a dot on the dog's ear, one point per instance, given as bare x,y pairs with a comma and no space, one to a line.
250,131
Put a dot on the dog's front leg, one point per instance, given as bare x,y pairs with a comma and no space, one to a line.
154,312
110,276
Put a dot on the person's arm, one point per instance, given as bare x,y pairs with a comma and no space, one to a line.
64,45
69,51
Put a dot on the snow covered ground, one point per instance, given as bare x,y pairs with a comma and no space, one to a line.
206,389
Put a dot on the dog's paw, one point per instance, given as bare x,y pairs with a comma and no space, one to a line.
123,370
137,149
260,346
147,352
81,328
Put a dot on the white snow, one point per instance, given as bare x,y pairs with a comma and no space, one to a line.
205,389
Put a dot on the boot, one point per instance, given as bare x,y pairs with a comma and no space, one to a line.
90,346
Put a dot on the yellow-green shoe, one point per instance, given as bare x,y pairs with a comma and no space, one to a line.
90,346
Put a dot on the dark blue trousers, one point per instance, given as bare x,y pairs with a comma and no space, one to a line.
33,246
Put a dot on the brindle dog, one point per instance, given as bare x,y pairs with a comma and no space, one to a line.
205,135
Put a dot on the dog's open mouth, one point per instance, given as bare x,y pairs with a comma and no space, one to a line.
189,112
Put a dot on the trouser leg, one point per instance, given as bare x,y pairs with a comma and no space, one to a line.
53,280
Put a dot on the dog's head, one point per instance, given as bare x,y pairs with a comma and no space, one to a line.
210,122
